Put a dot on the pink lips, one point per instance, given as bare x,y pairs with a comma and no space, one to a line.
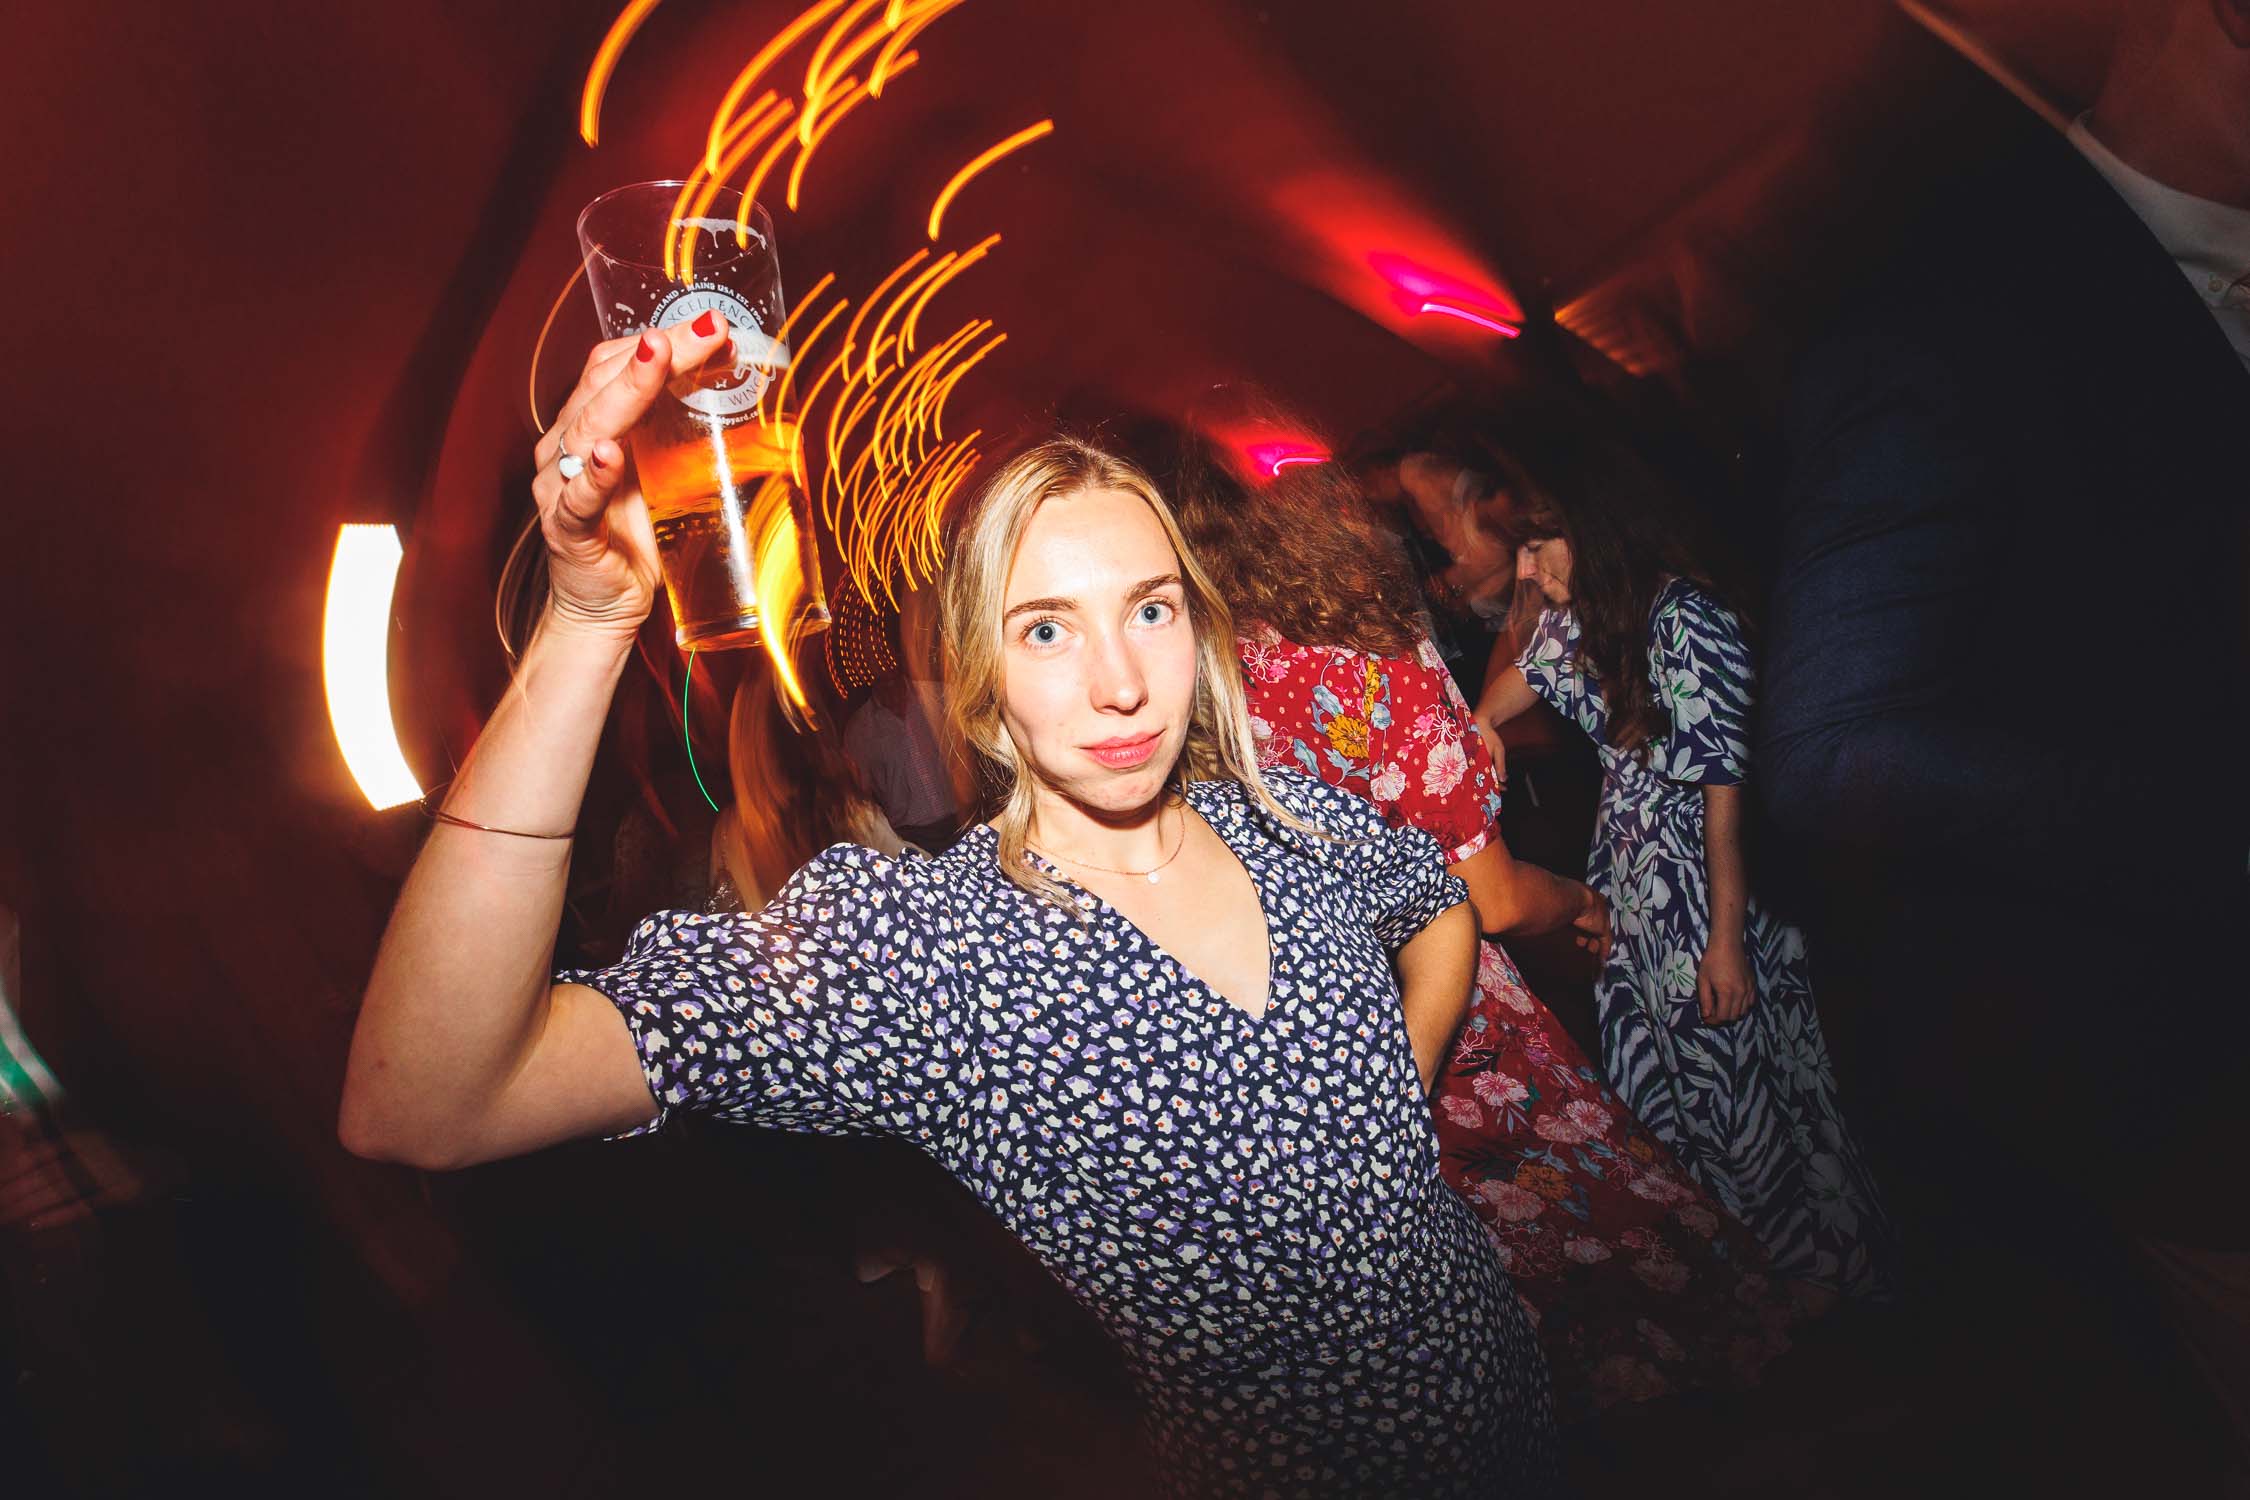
1124,754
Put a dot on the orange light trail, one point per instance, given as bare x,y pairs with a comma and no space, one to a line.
829,118
783,40
540,344
807,143
967,259
752,126
818,78
898,303
889,63
779,579
757,180
940,380
755,126
937,413
886,438
812,404
979,162
851,334
796,355
605,63
817,91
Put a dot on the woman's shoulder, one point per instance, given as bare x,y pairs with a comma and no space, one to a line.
1688,616
1685,597
1306,797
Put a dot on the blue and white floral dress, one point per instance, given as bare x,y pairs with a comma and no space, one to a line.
1252,1206
1749,1107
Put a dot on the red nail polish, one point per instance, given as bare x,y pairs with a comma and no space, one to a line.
646,351
706,325
594,457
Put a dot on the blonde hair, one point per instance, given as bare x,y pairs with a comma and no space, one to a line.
1219,744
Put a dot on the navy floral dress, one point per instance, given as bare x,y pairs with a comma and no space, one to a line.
1750,1108
1251,1206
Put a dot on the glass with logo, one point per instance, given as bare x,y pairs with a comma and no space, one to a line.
717,463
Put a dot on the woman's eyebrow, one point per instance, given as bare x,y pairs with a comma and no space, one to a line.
1151,585
1041,607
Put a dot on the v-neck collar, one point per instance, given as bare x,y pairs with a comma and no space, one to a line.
1220,804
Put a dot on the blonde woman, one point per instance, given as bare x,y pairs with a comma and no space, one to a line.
1147,1014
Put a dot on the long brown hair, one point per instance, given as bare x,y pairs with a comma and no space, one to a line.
1298,552
1218,736
1564,469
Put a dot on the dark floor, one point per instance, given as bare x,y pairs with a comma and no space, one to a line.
684,1315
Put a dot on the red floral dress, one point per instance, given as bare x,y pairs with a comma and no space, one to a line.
1638,1282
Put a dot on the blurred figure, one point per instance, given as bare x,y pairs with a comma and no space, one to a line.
897,740
795,793
1639,1284
1427,476
2025,812
1708,1026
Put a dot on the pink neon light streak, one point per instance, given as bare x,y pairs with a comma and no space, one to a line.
1467,315
1270,459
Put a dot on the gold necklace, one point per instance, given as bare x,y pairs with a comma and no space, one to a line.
1150,875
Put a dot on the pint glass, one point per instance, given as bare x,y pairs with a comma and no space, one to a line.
733,530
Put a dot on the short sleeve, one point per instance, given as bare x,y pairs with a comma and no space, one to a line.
1700,670
1550,663
1400,873
825,1011
1435,771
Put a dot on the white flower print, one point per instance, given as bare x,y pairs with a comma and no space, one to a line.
1448,764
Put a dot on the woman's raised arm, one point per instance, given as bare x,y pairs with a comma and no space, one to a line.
465,1051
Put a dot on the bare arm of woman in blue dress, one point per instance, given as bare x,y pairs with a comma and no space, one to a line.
1724,984
465,1050
1437,969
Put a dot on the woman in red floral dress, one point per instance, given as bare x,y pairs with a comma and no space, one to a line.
1638,1282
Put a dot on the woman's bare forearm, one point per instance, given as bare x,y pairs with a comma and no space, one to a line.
1505,696
1723,863
460,989
1436,970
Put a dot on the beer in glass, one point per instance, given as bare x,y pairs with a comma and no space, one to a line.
733,529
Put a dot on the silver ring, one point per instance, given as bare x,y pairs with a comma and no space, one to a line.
569,465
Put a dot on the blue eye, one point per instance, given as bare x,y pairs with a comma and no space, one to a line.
1155,612
1045,633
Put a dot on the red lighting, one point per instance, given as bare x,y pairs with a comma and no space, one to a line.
1468,315
1270,458
1420,290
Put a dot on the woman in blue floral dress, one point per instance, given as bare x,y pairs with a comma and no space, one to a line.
1707,1021
1147,1014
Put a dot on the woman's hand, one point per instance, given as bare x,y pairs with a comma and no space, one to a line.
1491,738
1590,929
601,552
1724,985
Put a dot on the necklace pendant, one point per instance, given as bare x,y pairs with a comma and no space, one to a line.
1153,876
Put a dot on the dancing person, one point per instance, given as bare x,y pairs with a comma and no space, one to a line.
1147,1013
1708,1027
1637,1281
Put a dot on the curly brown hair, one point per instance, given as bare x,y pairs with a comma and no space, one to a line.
1298,553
